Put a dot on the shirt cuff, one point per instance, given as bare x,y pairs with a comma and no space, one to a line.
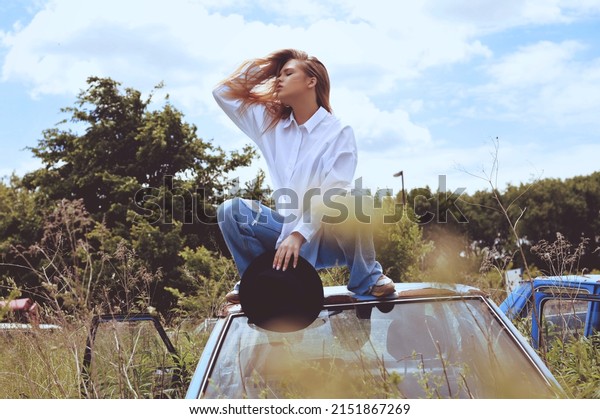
307,230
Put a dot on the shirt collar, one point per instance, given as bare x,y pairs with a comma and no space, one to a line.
314,120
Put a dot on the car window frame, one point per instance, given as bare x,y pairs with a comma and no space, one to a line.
543,297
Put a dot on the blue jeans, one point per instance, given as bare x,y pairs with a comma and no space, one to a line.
249,232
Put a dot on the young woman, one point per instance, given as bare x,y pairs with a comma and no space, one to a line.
282,103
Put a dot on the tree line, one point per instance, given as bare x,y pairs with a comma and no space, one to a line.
122,211
517,218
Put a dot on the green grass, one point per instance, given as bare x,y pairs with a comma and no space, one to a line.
41,364
576,366
48,364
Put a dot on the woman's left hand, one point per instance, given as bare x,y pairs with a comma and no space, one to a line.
290,247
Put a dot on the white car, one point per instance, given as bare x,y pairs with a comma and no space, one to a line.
429,340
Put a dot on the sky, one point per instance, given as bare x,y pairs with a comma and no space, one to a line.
427,85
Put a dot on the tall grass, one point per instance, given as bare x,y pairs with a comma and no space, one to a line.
41,363
44,364
78,282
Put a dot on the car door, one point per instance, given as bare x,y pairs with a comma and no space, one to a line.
565,316
130,356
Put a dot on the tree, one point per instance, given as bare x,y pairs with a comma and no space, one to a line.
125,147
21,223
538,211
141,173
399,242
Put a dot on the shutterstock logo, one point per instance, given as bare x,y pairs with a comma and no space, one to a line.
445,205
330,206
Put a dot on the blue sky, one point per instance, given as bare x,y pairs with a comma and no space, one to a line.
426,84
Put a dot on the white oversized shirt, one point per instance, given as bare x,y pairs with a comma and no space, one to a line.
321,153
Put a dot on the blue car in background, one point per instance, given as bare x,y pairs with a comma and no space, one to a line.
558,307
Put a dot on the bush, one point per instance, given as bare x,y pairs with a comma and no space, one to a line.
576,365
209,276
399,244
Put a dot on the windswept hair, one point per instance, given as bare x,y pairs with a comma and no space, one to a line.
255,81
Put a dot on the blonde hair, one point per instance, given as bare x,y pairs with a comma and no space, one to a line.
254,82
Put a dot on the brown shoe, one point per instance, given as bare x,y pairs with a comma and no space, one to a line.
383,287
233,296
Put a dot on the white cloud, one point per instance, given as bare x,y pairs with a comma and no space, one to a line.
492,16
371,48
154,37
545,83
309,9
533,65
385,131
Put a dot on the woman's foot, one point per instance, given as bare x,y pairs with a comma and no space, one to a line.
383,287
233,296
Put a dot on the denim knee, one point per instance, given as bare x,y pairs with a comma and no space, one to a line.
221,210
227,210
234,212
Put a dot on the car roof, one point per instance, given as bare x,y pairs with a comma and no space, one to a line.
587,279
341,295
407,288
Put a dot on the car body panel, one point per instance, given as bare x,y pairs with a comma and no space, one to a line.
132,348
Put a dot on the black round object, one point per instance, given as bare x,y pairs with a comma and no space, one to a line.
281,301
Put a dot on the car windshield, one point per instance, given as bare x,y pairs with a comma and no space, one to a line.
422,348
